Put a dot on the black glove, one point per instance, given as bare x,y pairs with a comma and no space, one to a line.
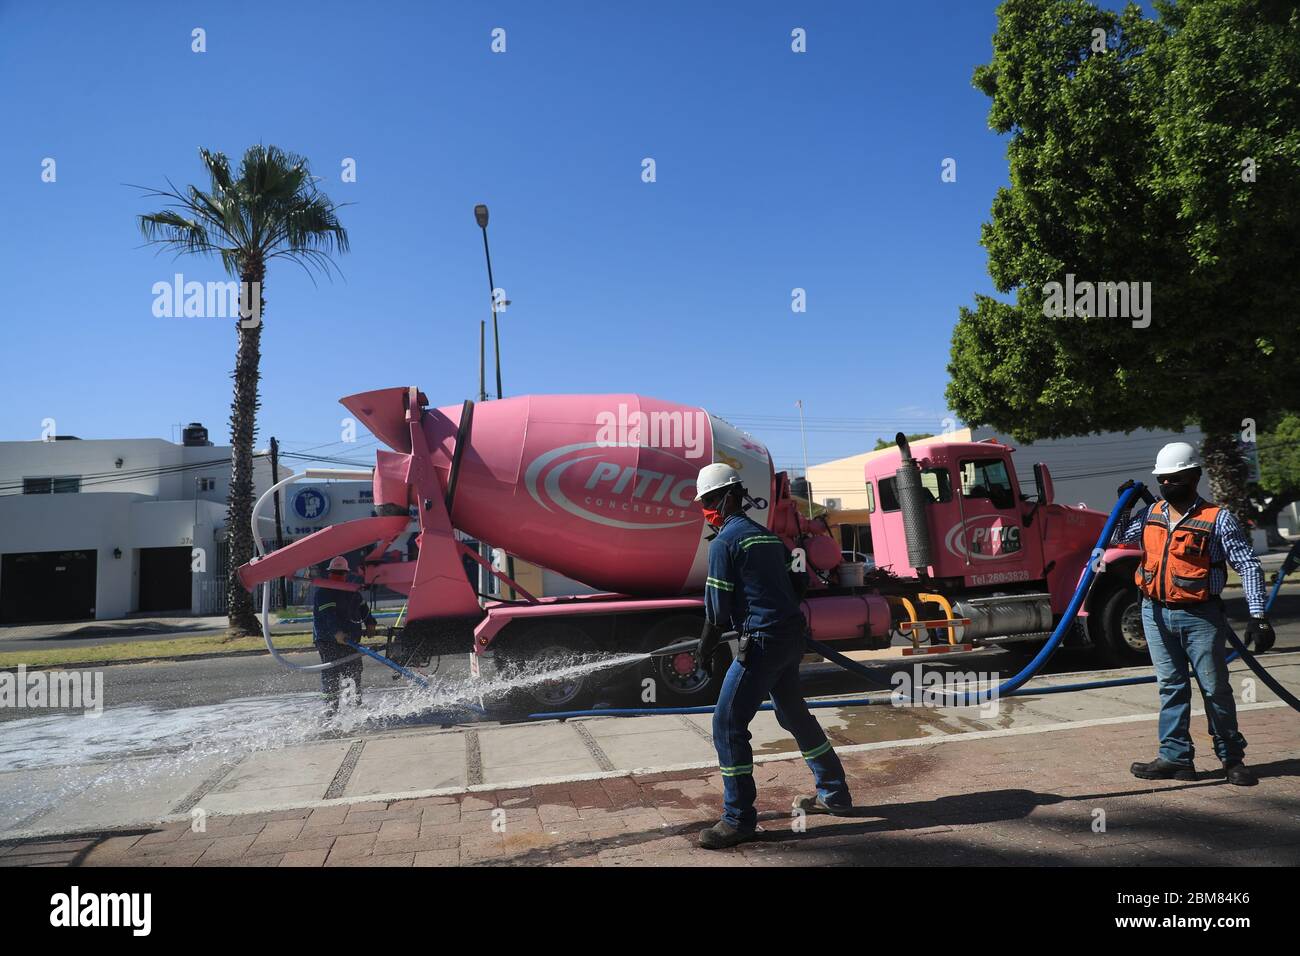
1119,492
708,648
1260,634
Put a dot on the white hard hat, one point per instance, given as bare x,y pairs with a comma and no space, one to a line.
714,477
1174,457
340,564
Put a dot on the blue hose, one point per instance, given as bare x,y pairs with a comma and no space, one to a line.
1277,589
1008,688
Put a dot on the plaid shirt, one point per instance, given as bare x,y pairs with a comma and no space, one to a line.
1228,542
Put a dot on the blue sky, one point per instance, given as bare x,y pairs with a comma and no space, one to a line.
775,170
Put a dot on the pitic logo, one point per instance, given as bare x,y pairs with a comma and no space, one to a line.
988,538
654,493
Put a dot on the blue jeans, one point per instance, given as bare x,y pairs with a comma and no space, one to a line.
1192,638
771,668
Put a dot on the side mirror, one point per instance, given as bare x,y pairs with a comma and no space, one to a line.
1043,481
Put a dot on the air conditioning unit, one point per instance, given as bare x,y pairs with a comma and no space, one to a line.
832,504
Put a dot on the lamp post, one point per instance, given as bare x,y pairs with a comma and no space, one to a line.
481,217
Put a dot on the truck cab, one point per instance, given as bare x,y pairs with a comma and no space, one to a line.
1008,560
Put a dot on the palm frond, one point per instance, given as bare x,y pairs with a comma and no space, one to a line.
272,208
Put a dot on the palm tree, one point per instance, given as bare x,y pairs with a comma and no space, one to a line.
272,209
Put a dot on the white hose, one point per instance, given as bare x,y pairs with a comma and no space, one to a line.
266,585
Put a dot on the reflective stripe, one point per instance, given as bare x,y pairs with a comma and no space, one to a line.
742,771
326,607
758,539
720,584
817,751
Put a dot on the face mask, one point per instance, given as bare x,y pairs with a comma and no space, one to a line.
1179,494
714,516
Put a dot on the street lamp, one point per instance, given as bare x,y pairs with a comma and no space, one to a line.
481,217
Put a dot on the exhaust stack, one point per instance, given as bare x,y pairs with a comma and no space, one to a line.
912,499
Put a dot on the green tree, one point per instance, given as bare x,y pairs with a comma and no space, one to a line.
272,209
1161,150
889,442
1279,472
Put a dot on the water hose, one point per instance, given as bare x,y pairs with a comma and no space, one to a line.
1008,688
266,587
408,674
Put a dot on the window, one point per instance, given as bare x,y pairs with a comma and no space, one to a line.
58,486
207,484
871,498
936,481
987,478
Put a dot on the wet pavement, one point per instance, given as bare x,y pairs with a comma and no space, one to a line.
139,765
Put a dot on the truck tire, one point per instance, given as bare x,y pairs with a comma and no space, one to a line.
1121,642
522,658
677,680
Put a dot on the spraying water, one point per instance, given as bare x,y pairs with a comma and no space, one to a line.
247,725
59,756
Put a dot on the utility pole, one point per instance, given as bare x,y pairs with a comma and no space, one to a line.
279,531
482,393
804,438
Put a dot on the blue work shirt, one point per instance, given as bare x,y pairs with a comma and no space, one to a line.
749,587
334,610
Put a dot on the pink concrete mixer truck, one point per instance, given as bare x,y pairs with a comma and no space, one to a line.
600,488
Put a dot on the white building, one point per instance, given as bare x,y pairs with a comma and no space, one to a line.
103,528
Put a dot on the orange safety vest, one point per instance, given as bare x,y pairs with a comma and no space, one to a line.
1175,566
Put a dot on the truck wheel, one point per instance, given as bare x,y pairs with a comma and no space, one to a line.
1122,641
678,680
557,647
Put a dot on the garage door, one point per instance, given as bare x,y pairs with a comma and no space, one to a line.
47,586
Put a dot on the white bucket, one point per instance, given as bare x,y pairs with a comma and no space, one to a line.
851,573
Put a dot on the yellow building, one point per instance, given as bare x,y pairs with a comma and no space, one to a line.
840,485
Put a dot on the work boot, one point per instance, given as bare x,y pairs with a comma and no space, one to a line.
1162,769
722,835
1238,774
816,804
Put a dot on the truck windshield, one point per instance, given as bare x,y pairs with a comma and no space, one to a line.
934,480
987,478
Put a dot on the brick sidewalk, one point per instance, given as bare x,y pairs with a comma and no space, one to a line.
1030,799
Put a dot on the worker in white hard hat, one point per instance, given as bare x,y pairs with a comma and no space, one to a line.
1187,544
750,589
339,615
